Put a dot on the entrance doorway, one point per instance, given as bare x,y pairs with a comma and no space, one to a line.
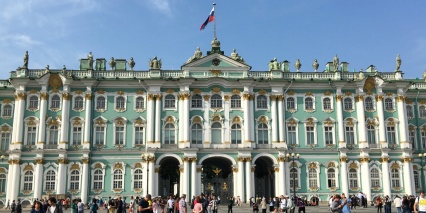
217,177
169,176
264,177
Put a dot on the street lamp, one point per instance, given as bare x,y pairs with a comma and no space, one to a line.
292,156
421,155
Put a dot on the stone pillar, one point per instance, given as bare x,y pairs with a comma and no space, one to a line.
235,180
42,124
249,181
251,119
150,119
281,179
274,118
206,119
362,138
198,179
62,175
385,175
344,174
85,178
87,121
155,183
16,173
185,176
63,142
403,122
152,182
340,126
287,176
38,178
181,179
281,119
381,117
276,179
157,128
227,129
186,128
365,174
194,186
241,188
408,185
181,123
18,124
246,111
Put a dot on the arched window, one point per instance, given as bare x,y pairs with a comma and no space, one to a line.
313,178
331,178
50,181
120,102
169,101
416,180
216,101
388,104
53,135
294,178
139,103
117,182
100,103
353,178
235,101
375,178
261,102
291,103
369,104
98,179
348,104
99,135
216,133
33,104
169,134
28,181
7,110
236,134
262,134
422,111
309,103
395,178
371,134
196,101
78,103
75,180
197,134
137,179
326,102
55,102
2,183
409,109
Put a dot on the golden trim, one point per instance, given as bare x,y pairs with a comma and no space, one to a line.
344,159
261,92
401,98
216,89
385,159
236,91
196,91
364,159
66,96
85,160
62,161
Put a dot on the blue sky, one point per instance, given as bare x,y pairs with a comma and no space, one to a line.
361,32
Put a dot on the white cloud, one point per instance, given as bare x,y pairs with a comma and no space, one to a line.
162,6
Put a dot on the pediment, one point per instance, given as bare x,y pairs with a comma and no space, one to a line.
210,62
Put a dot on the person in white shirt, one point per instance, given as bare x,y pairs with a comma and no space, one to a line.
397,201
330,202
421,201
283,204
170,203
290,204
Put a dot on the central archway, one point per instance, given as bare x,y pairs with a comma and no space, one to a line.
217,177
168,176
264,176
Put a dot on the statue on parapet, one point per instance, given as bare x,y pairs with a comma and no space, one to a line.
90,58
315,65
112,63
274,64
131,63
235,56
336,63
398,62
26,58
297,65
197,55
154,63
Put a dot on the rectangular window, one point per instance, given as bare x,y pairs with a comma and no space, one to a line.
236,136
76,135
328,133
423,139
31,135
5,140
291,135
412,138
350,136
99,135
119,135
371,134
310,135
138,135
391,134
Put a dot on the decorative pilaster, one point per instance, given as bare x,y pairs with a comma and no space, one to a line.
185,176
206,99
157,129
186,129
249,181
241,183
150,119
281,119
62,176
88,120
85,177
227,135
340,126
14,166
42,119
274,118
362,138
281,179
381,116
408,173
247,121
403,121
365,181
235,180
251,118
18,124
63,141
344,174
194,186
386,177
38,178
277,176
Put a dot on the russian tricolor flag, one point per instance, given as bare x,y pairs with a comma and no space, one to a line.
209,19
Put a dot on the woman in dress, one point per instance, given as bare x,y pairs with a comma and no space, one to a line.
198,207
263,205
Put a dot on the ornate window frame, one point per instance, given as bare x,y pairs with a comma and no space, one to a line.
50,123
170,120
77,122
266,121
117,123
379,172
31,121
139,122
386,101
5,141
95,167
29,102
312,97
236,121
298,166
422,113
120,95
396,165
352,100
331,99
27,167
267,101
99,122
199,98
4,104
137,166
118,166
74,167
220,102
354,165
329,123
51,107
317,168
410,116
168,98
101,95
373,103
197,120
291,110
332,165
412,136
139,109
50,167
423,136
294,123
5,172
351,122
311,122
392,122
236,100
372,122
74,103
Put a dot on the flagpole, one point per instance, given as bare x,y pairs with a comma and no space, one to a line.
214,8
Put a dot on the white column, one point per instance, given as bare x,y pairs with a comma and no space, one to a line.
403,122
386,177
206,119
340,127
62,175
38,178
85,179
181,123
150,119
185,177
236,180
381,116
281,119
274,118
155,183
15,179
344,175
186,128
408,185
252,169
281,179
198,180
63,142
181,179
365,180
249,182
18,127
287,177
227,134
246,111
9,181
87,121
152,182
362,139
240,183
276,180
145,176
251,119
157,129
193,178
42,125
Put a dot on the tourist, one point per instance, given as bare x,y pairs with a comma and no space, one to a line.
335,206
345,202
388,204
198,206
13,207
421,202
176,204
37,207
53,208
398,203
301,204
255,207
231,202
144,204
182,204
263,205
94,206
170,204
379,204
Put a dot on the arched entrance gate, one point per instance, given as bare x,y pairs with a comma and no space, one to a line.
264,177
169,176
217,177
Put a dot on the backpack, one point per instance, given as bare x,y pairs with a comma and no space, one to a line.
80,207
18,207
94,207
13,206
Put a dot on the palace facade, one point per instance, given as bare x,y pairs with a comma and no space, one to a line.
214,126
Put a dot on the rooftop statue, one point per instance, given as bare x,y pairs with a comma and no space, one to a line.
398,62
26,57
336,63
90,57
297,65
274,65
131,63
235,56
197,55
155,63
315,65
112,63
